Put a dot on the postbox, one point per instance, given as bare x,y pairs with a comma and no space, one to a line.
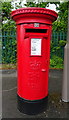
34,26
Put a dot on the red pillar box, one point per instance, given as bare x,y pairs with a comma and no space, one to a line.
34,27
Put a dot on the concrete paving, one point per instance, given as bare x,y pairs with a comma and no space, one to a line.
55,109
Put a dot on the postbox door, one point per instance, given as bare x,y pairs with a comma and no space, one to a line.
33,67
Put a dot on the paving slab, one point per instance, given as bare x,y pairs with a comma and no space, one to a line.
55,108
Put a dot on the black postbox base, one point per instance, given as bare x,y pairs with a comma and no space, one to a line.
32,107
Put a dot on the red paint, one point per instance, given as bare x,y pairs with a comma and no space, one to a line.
33,69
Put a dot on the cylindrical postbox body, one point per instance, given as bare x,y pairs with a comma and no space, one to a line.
34,27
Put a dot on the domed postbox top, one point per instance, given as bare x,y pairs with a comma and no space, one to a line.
34,14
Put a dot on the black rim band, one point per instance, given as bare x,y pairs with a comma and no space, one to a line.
32,106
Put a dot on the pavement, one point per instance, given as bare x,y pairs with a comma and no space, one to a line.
56,107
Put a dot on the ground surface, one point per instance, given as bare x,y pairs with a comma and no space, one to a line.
56,108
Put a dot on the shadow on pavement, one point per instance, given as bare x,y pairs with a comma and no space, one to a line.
56,108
